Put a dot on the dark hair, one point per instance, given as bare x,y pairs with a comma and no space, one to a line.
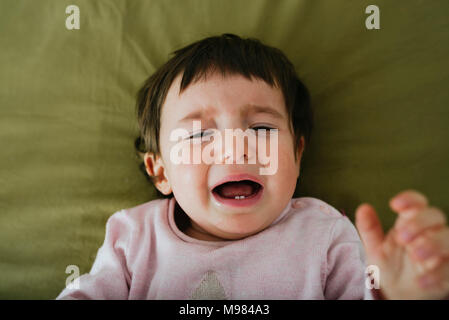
228,54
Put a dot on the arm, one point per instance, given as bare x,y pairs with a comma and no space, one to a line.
345,276
109,277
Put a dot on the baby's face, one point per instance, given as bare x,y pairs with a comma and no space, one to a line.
228,201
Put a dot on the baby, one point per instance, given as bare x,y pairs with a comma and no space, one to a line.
228,227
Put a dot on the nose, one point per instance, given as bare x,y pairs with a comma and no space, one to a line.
239,147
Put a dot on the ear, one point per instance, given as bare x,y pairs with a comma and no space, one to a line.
299,152
156,170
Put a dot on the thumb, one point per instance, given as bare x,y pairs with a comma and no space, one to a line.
369,227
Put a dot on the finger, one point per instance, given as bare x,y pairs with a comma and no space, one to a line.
436,281
407,200
413,222
369,227
430,248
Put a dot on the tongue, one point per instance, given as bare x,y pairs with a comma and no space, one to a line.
233,189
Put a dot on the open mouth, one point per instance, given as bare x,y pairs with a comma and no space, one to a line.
238,193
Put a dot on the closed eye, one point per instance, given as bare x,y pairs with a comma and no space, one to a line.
263,128
200,134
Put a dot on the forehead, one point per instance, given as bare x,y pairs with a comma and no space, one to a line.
223,94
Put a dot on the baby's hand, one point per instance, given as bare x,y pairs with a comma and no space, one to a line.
413,257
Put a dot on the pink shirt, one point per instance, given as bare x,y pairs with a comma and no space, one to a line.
311,251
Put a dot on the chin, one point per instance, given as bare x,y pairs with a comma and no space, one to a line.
242,225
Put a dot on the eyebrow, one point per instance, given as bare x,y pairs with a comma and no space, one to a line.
193,116
249,108
264,109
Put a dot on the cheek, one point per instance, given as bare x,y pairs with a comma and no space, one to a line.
288,168
189,182
190,189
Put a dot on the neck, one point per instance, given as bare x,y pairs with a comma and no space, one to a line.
197,233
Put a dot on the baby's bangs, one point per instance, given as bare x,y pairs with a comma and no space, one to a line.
230,55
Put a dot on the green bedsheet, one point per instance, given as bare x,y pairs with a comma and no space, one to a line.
67,123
